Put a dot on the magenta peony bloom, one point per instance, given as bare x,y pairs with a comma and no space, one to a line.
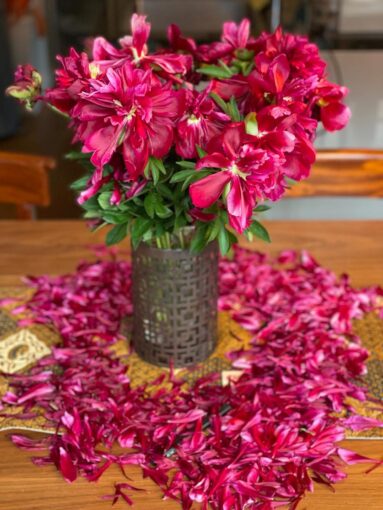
134,48
288,132
72,79
201,121
234,37
129,110
246,172
178,42
333,113
303,56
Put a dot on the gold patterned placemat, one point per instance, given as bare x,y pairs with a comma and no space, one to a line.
20,348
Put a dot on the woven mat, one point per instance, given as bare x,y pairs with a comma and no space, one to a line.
20,348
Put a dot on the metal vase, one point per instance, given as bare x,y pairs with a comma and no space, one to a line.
175,304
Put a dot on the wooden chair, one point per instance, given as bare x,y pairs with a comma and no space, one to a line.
24,182
343,172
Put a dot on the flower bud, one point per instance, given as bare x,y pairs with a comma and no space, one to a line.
27,86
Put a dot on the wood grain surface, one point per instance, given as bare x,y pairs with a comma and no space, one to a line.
55,247
343,172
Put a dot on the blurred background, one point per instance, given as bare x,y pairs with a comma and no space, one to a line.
349,33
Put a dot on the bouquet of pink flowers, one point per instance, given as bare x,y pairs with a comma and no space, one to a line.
194,135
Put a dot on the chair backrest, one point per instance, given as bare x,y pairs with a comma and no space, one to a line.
24,181
351,172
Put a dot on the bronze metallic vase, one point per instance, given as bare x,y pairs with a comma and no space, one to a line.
175,304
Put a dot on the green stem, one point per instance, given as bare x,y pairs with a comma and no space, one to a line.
181,238
56,110
168,241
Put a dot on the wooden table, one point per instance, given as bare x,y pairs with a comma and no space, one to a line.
56,247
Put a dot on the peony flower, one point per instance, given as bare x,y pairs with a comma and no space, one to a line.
201,121
333,113
178,42
72,79
303,56
135,49
130,110
287,132
234,37
244,171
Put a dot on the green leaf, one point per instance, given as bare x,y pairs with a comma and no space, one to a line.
114,216
290,182
247,67
219,101
147,236
259,230
147,170
262,208
233,110
214,229
249,235
215,71
225,67
91,204
149,204
165,191
80,184
198,242
196,176
223,240
153,169
179,222
251,124
159,164
73,155
139,228
116,234
232,238
243,54
160,230
186,164
161,210
155,174
201,153
104,200
182,175
91,214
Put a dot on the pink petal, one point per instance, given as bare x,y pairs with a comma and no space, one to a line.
214,160
67,467
358,423
350,457
40,390
189,417
140,32
280,69
206,191
335,116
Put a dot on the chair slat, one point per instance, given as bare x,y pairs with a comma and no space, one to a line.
24,181
354,172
